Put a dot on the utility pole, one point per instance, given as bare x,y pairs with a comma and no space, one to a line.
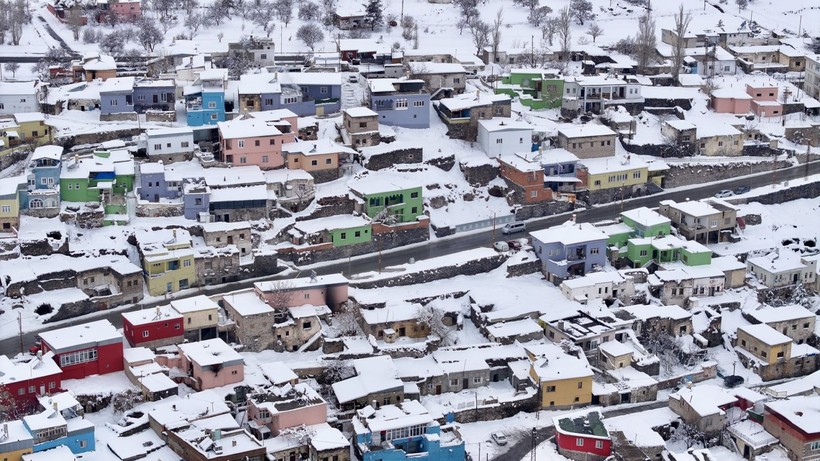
402,19
493,242
532,50
20,328
534,456
808,152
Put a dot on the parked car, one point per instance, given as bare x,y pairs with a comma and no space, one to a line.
514,244
724,193
513,227
732,381
742,190
353,78
501,246
499,438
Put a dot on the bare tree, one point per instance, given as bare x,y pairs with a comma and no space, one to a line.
538,15
164,7
682,20
19,16
189,6
74,19
563,28
594,31
645,41
308,11
548,29
284,10
480,31
310,34
433,320
264,17
345,323
581,10
149,35
742,4
496,31
12,67
193,22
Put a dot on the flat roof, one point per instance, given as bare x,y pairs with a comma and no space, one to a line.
157,314
194,304
570,233
211,352
81,336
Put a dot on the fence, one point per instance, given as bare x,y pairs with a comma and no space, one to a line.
498,222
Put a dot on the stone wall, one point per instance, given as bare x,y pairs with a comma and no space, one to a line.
538,210
525,268
84,218
443,231
499,411
811,190
445,163
18,155
158,210
479,175
683,103
331,206
119,117
473,267
42,247
594,197
95,138
321,176
689,174
160,116
661,150
390,158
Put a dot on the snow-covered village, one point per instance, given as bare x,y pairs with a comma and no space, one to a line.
429,230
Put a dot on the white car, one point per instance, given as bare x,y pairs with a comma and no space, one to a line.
499,438
353,78
724,193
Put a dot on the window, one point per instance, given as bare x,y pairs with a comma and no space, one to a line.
357,234
176,326
743,343
599,444
579,442
594,251
183,144
272,142
550,388
145,333
643,253
362,124
401,104
74,358
306,325
533,194
328,161
597,182
456,80
418,103
157,146
814,446
780,355
478,380
264,159
323,90
114,102
211,104
32,389
763,354
241,143
454,382
243,160
186,263
499,141
344,235
21,391
6,209
414,210
256,143
636,175
214,117
314,162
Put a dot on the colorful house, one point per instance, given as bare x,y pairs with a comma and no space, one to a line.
339,230
125,10
667,249
60,425
153,327
211,363
525,177
571,249
793,422
321,159
200,317
731,101
25,381
253,141
117,97
389,197
154,95
32,128
17,441
93,348
582,436
97,177
205,98
563,380
168,265
400,102
403,432
534,88
11,192
43,195
304,93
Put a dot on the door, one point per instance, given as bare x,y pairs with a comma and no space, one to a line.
320,111
226,218
438,389
230,240
156,197
465,383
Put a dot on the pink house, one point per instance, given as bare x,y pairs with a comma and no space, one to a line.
210,364
767,108
125,10
253,141
731,101
327,290
762,93
283,407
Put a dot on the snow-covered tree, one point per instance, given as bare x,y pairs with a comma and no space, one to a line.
742,4
265,16
112,43
495,33
308,11
645,41
74,20
11,67
539,15
480,31
581,10
374,14
149,35
594,31
310,34
284,10
563,29
682,21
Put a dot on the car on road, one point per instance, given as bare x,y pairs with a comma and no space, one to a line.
742,190
353,78
499,438
513,227
724,193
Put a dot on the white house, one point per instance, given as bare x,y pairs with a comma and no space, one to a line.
597,285
17,97
169,144
500,136
782,268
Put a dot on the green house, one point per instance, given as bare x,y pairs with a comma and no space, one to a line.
646,222
340,230
534,88
667,249
389,198
97,177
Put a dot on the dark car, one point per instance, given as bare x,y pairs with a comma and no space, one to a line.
733,381
742,190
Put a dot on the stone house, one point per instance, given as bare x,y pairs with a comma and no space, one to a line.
375,381
294,189
462,113
677,285
682,134
393,321
581,329
716,138
782,269
222,234
440,76
360,127
794,321
649,320
705,406
322,159
705,221
217,265
598,285
793,422
587,141
210,363
773,355
254,319
524,175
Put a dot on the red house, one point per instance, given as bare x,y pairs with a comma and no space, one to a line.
153,327
93,348
25,381
795,422
582,436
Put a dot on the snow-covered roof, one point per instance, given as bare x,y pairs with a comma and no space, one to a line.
234,194
468,100
11,372
570,233
146,316
427,68
778,262
48,152
277,372
325,437
81,336
360,112
58,453
585,130
249,128
615,348
247,303
593,278
381,182
302,283
100,62
197,303
319,147
137,354
18,88
514,329
552,364
329,223
174,131
802,412
408,413
706,399
504,124
211,352
389,85
681,125
765,334
117,84
24,117
645,217
769,314
358,387
154,83
365,45
645,311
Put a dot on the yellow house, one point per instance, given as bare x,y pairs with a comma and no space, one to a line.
200,316
10,202
18,442
620,171
765,343
564,381
9,136
32,128
168,267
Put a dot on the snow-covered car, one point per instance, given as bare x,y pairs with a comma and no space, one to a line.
501,246
499,438
724,193
353,78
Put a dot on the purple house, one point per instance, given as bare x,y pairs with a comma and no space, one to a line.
570,250
155,95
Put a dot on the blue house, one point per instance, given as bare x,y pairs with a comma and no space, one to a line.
303,93
116,96
405,431
60,424
155,95
400,102
205,99
42,196
559,170
570,250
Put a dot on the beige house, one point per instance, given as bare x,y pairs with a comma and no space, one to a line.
794,321
706,221
766,344
781,269
705,406
614,355
222,234
439,75
716,138
360,127
588,141
200,317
